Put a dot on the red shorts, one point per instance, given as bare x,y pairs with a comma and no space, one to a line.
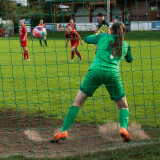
75,43
23,44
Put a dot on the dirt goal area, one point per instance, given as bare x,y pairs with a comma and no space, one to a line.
30,135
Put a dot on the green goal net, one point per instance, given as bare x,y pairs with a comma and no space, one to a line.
36,94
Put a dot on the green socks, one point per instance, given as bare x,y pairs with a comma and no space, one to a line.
73,111
70,118
124,117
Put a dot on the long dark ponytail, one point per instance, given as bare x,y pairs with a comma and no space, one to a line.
117,29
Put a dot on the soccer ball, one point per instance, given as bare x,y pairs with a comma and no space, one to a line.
39,32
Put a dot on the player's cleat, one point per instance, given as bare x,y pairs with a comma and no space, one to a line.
28,59
71,60
59,136
24,59
81,58
125,135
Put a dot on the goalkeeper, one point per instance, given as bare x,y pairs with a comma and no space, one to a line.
104,70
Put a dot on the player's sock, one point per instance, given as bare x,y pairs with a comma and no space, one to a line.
78,54
27,54
72,54
124,117
70,118
40,42
24,55
45,42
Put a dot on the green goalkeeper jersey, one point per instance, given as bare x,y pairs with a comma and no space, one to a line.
103,59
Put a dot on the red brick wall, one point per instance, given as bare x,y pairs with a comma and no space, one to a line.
141,11
138,11
153,14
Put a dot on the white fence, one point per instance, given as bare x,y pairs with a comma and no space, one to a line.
141,26
134,26
145,26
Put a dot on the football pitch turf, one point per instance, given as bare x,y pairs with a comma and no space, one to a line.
48,83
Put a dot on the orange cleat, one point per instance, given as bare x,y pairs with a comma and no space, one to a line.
125,135
59,136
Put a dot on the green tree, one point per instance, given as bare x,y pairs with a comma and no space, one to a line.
44,9
7,9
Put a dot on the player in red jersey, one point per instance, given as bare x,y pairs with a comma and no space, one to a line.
23,39
72,24
74,37
43,25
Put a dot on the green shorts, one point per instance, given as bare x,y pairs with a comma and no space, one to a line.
111,80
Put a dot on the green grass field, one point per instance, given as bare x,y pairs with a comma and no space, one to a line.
48,83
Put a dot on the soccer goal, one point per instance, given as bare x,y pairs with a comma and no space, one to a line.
41,74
